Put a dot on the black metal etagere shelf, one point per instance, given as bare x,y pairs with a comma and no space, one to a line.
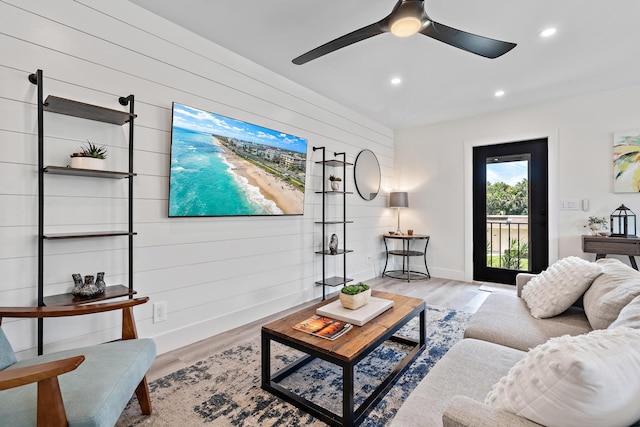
326,194
81,110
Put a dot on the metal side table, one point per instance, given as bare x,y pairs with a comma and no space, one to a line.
406,273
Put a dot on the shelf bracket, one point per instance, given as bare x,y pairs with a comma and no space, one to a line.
124,100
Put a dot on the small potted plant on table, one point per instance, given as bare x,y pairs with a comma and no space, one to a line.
90,156
355,296
335,182
597,225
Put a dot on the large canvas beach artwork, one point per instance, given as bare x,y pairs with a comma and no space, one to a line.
626,162
226,167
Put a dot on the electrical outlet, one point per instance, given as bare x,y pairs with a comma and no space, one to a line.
159,312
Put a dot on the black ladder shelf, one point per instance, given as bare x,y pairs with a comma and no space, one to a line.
325,252
81,110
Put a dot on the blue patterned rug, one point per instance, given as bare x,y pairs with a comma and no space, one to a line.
224,389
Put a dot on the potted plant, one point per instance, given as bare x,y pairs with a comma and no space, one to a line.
335,182
597,225
355,296
90,156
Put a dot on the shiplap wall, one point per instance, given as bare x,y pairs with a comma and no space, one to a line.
214,273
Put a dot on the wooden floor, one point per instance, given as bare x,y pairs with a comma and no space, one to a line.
461,296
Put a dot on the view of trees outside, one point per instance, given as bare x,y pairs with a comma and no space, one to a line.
505,199
507,195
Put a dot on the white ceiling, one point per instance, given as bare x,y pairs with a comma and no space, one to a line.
597,47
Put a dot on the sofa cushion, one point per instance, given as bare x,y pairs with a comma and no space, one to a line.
90,399
559,286
505,319
629,316
470,368
610,292
584,380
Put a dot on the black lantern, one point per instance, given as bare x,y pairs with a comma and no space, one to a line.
623,222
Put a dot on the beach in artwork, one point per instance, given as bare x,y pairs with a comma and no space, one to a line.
215,175
288,199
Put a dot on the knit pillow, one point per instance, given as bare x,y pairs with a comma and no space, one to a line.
610,292
629,316
584,380
559,286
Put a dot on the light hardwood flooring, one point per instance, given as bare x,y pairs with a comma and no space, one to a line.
457,295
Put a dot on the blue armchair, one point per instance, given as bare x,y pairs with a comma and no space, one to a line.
88,386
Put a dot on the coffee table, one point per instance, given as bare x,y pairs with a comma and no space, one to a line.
346,352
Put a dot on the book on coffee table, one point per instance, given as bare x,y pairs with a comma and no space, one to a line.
323,327
359,316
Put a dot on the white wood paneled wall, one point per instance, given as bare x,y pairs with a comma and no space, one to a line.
214,273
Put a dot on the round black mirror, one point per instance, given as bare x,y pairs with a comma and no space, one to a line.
367,174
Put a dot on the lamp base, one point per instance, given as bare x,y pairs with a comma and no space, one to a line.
398,232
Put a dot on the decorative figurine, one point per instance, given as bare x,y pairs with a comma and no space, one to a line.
77,281
100,282
89,288
333,244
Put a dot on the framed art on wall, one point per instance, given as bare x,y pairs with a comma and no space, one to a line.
626,162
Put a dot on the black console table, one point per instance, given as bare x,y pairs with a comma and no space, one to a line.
406,273
603,246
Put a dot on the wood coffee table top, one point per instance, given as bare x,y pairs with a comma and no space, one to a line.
350,345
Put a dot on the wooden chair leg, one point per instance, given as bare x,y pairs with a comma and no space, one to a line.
51,411
144,398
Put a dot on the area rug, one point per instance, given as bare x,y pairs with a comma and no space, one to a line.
224,389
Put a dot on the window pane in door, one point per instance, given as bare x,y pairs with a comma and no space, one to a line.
507,212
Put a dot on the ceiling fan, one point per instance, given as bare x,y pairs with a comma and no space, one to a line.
407,18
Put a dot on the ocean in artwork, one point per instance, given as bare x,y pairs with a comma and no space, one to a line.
202,182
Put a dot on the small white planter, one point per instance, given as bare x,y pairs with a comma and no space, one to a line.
335,185
355,301
88,163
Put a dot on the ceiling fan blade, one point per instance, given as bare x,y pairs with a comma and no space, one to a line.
483,46
340,42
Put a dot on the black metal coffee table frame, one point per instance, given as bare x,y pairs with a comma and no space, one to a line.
351,416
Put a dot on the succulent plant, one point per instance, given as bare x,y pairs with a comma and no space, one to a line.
355,289
91,150
334,178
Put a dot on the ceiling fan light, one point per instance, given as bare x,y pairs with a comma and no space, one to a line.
406,26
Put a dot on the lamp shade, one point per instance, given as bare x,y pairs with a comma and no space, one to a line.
399,199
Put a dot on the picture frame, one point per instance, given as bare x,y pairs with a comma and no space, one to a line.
626,161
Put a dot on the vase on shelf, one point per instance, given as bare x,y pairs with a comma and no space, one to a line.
333,244
100,284
77,282
87,163
88,288
335,185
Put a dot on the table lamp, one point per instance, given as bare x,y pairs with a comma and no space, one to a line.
399,199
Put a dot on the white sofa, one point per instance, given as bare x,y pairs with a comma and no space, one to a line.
502,333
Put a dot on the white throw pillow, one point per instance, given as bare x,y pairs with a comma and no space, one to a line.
559,286
610,292
629,316
585,380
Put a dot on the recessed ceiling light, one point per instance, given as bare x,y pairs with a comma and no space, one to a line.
396,81
548,32
498,93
